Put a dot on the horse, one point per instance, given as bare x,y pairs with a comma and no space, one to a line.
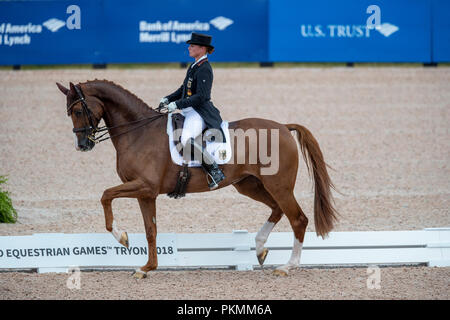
138,133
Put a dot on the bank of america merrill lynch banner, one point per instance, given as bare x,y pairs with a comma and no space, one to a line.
117,31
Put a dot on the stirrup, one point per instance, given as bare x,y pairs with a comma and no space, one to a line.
212,183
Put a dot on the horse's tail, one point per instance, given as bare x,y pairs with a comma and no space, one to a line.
324,213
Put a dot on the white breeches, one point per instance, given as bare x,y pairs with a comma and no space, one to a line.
193,125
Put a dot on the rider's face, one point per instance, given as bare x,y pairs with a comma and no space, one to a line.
196,51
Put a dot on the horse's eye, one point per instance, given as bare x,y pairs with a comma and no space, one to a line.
78,113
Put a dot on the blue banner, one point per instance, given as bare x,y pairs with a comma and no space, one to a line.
46,32
336,31
42,32
148,31
441,31
119,31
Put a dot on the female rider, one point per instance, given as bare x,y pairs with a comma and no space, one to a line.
194,100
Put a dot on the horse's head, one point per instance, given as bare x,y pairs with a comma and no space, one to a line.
86,111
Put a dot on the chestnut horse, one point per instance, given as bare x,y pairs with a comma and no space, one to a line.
144,165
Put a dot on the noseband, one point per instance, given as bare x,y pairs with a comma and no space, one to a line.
92,129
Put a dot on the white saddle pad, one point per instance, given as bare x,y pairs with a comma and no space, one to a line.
215,149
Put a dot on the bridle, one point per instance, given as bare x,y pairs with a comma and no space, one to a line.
92,129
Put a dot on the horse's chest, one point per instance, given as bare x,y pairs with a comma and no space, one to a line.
124,170
140,165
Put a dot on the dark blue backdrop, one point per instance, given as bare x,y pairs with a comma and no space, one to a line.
238,28
50,47
329,30
126,31
36,32
441,31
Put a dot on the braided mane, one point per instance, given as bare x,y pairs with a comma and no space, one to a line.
138,101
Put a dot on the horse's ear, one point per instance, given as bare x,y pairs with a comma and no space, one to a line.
72,87
62,88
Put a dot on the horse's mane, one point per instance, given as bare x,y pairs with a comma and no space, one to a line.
139,102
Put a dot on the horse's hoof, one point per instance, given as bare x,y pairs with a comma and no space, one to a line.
279,272
124,239
139,275
262,256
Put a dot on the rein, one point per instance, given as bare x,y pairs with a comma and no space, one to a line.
92,129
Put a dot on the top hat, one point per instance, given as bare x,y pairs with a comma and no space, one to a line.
201,40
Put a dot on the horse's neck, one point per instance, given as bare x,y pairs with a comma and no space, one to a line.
120,105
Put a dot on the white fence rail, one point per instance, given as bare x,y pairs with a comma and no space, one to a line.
58,252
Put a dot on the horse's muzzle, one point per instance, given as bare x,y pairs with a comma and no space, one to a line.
87,140
85,144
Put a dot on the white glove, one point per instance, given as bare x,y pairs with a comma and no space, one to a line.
171,106
163,103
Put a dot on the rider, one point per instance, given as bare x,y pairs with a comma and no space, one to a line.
194,99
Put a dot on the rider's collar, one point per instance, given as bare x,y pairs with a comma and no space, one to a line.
204,57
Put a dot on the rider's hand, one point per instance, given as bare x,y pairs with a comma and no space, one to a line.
163,103
171,106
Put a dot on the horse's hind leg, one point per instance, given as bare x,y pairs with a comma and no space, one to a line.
253,188
298,222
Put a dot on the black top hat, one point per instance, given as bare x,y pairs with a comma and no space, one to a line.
201,40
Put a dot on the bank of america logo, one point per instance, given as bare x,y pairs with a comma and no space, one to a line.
54,24
386,29
221,23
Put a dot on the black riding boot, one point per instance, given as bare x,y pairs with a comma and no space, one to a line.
209,165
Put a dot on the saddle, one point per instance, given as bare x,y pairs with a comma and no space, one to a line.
177,124
221,152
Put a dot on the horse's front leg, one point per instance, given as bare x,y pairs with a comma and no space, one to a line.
148,209
131,189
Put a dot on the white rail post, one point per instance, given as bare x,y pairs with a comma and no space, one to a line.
49,269
242,249
439,250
